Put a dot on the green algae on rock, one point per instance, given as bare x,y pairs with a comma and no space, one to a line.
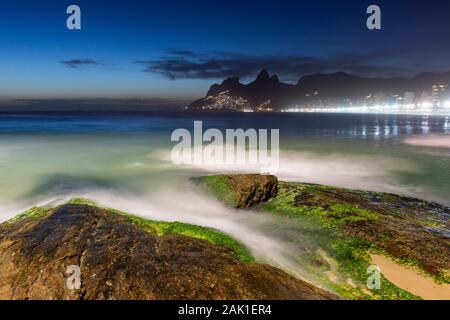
338,228
241,190
120,259
160,228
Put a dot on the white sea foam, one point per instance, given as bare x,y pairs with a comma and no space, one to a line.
375,173
430,140
185,202
169,196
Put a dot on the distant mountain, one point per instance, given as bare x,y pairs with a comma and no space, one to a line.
269,91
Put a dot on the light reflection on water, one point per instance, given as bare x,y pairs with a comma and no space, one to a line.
117,160
390,128
119,149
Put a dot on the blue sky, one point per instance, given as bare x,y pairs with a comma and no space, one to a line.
177,49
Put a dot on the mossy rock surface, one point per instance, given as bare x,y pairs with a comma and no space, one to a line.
406,228
120,256
350,224
241,190
336,230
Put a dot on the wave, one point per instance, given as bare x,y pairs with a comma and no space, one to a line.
430,140
185,202
362,172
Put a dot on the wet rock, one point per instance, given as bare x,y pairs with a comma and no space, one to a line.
407,228
242,190
251,189
119,260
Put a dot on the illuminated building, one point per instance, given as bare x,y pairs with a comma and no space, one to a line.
438,92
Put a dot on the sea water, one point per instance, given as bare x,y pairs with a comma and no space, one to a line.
122,161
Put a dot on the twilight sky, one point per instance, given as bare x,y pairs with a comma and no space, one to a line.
176,49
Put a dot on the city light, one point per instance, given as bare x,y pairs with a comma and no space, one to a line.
434,101
426,104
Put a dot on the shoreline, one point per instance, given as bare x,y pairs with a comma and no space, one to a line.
411,280
338,217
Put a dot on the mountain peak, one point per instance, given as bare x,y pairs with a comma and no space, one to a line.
330,88
275,78
226,85
230,81
263,75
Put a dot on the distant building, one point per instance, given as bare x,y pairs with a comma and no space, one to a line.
379,98
409,98
438,93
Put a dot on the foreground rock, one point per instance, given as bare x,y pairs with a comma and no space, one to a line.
120,260
336,230
242,190
407,228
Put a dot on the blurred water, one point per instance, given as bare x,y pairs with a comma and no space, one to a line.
121,161
53,155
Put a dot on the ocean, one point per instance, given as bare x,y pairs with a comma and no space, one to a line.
121,161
